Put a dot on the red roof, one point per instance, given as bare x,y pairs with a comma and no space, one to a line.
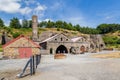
21,36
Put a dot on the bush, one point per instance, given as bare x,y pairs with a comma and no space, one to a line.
110,39
16,34
58,29
1,50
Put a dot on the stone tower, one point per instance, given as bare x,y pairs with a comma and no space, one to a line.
34,28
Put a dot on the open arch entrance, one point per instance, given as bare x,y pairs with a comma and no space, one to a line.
51,50
61,49
82,49
91,46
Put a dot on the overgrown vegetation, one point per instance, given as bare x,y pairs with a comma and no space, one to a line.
15,29
1,48
112,41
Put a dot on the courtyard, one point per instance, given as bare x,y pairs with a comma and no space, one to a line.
73,67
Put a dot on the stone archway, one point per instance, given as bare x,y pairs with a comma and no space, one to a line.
91,46
101,45
51,50
61,49
82,49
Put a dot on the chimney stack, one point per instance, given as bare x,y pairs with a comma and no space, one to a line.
34,28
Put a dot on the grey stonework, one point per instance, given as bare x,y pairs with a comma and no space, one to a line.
34,28
66,45
52,43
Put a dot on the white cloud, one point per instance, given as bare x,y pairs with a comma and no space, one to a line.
29,2
13,6
47,20
75,20
9,6
25,10
39,10
20,20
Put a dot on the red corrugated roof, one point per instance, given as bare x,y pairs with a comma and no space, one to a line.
21,36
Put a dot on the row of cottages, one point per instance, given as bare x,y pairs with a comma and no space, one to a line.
60,43
20,47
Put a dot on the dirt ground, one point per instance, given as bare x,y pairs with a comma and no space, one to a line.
73,67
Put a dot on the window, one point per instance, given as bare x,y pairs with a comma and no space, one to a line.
55,39
61,39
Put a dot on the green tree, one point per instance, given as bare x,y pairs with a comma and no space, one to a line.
42,24
25,23
1,23
77,27
50,24
30,23
106,28
59,24
14,23
16,34
110,39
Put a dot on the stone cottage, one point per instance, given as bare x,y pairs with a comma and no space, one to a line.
20,47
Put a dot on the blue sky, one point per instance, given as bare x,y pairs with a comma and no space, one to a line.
84,12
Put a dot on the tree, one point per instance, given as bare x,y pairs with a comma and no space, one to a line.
106,28
59,24
50,24
1,23
30,23
77,27
14,23
25,23
42,24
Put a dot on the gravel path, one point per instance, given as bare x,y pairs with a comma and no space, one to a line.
74,67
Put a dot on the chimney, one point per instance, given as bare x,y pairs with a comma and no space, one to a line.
34,28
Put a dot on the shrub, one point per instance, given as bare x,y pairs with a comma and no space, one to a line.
16,34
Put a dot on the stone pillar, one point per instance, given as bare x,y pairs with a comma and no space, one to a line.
34,28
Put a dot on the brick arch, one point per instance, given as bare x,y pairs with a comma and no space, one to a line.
82,48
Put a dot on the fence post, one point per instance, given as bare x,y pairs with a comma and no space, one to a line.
31,70
33,65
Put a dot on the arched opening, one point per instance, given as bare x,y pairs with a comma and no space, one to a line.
92,46
101,45
51,51
87,49
82,49
73,50
61,49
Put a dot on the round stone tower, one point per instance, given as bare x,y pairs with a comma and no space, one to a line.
34,28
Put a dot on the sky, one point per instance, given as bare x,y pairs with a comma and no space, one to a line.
89,13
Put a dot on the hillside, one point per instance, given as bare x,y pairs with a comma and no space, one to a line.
116,34
12,32
111,39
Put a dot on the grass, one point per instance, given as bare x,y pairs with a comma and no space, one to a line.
113,45
1,50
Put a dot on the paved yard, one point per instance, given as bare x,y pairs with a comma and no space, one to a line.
74,67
